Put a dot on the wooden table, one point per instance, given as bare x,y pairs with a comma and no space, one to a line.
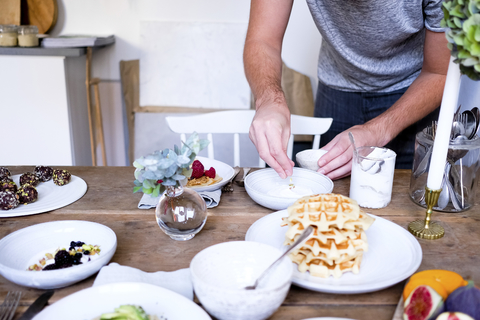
141,244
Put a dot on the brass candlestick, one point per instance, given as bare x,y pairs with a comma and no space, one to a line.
427,229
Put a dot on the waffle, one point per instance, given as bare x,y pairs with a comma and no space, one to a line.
338,241
203,181
319,268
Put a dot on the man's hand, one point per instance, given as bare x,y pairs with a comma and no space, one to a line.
337,162
270,131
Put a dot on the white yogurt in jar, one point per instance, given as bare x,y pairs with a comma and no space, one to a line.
371,180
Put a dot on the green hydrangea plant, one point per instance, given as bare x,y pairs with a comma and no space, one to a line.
168,167
462,17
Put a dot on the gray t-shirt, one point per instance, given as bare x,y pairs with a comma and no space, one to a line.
373,45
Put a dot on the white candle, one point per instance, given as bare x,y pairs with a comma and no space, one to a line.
444,126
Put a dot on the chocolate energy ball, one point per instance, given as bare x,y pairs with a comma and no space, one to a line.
27,194
8,200
61,177
5,179
29,178
8,186
43,173
4,172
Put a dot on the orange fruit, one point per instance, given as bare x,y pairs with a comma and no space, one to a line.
415,283
450,280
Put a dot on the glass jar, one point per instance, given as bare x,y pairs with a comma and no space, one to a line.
460,173
181,213
27,36
8,35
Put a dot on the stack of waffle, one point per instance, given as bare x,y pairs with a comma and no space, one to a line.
338,241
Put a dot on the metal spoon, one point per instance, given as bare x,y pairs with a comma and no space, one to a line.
299,240
352,140
476,112
457,129
469,121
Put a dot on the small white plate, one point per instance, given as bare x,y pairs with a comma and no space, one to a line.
222,169
50,197
90,303
24,247
393,255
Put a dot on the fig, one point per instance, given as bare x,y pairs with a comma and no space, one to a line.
423,303
466,300
454,316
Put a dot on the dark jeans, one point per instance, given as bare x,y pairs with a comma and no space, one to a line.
351,108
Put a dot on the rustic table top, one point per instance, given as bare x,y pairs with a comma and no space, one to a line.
109,200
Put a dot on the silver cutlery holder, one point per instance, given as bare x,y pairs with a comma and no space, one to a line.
460,174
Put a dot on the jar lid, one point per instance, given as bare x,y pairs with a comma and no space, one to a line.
8,28
27,30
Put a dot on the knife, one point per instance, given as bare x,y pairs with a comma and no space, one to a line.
37,306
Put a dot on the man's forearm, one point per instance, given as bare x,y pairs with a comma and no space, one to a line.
263,69
422,97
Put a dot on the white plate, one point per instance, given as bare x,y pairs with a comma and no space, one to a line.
222,169
25,247
393,255
50,197
92,302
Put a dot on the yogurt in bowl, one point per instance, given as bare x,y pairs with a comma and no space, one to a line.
266,188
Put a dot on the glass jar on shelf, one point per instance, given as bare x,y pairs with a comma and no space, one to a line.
28,36
8,35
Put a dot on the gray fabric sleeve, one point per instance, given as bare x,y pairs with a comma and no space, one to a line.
433,15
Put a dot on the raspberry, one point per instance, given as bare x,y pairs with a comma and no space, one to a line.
210,173
197,169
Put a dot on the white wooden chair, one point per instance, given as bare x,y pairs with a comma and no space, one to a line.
238,121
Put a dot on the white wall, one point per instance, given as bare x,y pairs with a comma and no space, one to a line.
122,18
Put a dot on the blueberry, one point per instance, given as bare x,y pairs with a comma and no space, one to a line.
72,244
80,243
86,252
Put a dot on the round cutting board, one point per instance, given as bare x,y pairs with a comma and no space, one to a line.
40,13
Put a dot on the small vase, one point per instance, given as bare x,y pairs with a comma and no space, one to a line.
181,213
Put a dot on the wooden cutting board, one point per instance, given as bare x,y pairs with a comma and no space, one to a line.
10,12
40,13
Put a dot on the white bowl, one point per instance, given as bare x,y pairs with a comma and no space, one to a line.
25,247
220,272
308,159
260,182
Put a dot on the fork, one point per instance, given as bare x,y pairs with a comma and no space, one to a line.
228,187
241,182
10,304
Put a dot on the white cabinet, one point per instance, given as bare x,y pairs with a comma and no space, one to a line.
43,108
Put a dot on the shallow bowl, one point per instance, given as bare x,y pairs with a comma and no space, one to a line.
259,183
220,273
308,159
27,246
